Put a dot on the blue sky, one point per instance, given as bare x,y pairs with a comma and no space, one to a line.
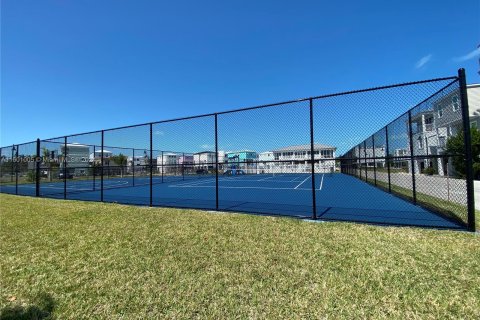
78,66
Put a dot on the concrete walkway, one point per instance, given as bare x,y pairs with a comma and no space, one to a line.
477,194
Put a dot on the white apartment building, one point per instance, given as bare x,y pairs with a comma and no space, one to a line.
77,158
432,128
298,158
473,92
167,162
205,160
265,162
97,155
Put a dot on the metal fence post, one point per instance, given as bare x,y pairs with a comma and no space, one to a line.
162,165
412,160
12,173
94,169
133,167
365,155
387,158
65,168
216,161
151,165
37,170
359,163
101,163
468,150
16,169
312,160
374,161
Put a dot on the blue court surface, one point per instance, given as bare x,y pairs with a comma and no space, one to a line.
339,197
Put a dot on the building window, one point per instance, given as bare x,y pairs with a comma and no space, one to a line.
429,124
420,143
451,131
441,142
440,111
455,103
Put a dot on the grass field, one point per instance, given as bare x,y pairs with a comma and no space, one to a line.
73,260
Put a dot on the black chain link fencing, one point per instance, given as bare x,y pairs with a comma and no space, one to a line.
307,158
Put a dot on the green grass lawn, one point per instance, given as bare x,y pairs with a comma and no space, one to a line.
72,260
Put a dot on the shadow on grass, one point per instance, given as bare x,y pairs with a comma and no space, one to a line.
41,309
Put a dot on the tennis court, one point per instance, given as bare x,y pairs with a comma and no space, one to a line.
338,196
366,167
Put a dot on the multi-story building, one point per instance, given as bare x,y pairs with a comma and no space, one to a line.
371,153
243,159
298,158
204,160
473,92
433,127
167,163
186,160
265,162
137,161
95,157
77,158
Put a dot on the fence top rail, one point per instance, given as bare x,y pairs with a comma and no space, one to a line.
114,147
454,78
19,144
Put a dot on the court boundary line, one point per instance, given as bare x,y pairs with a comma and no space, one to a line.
301,182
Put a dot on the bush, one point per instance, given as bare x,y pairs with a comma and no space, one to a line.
31,176
456,147
476,170
430,171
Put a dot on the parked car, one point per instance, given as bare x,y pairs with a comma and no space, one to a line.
69,175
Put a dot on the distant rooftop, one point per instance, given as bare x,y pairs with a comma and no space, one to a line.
302,147
239,151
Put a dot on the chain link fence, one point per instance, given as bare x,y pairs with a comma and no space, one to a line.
307,158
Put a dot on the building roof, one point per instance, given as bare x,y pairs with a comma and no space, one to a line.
302,147
74,144
97,152
240,151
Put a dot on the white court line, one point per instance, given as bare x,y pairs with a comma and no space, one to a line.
220,187
266,178
73,186
302,182
194,183
321,182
